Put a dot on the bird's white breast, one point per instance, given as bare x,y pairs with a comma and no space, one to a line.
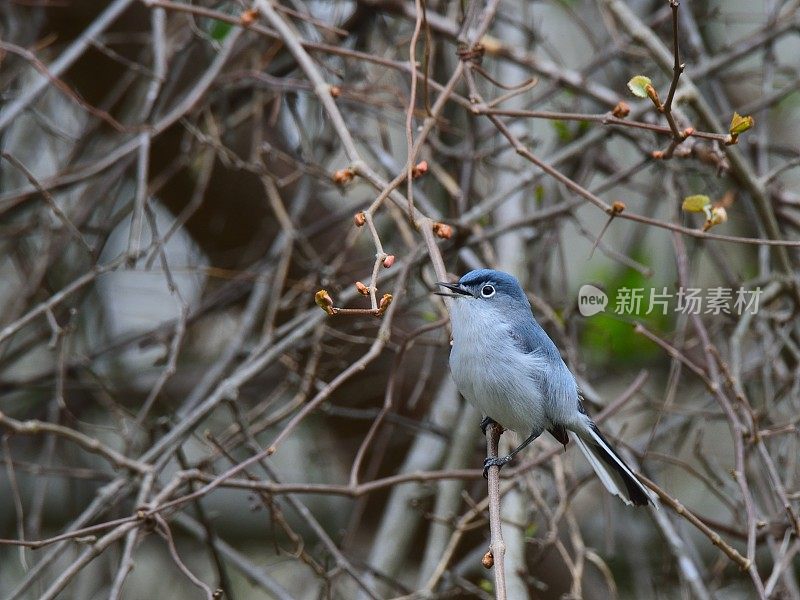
493,373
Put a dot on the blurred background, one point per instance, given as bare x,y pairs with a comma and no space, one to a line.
178,180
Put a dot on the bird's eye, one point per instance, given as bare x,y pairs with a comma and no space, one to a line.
487,291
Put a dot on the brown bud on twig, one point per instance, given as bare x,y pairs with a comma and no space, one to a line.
617,207
688,131
442,230
653,95
388,261
324,301
336,91
248,17
657,154
360,218
621,110
343,176
384,303
471,54
488,560
419,169
362,289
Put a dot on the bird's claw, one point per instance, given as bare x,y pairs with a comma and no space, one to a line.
495,461
486,422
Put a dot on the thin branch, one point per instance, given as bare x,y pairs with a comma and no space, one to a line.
34,427
685,513
497,550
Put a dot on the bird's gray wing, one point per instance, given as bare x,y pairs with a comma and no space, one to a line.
530,339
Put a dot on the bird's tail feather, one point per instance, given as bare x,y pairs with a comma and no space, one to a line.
612,471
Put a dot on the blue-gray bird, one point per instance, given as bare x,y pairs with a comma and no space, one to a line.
505,364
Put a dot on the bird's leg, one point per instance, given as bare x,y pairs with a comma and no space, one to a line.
504,460
486,422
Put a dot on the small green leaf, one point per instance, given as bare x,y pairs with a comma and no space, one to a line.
562,130
638,85
539,195
486,586
740,124
220,30
696,203
324,301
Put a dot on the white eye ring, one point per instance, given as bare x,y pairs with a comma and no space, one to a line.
487,291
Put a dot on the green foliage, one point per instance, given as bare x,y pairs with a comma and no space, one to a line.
428,316
562,130
539,195
700,203
608,336
740,123
567,132
696,203
790,101
638,85
219,30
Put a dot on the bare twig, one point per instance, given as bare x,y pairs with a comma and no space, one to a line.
713,536
497,549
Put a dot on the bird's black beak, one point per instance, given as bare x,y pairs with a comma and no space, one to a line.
459,291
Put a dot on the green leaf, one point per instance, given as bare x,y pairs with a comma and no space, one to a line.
220,30
539,195
696,203
740,124
638,85
562,130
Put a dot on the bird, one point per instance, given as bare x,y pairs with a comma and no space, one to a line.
506,365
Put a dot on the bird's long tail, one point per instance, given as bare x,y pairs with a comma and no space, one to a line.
611,469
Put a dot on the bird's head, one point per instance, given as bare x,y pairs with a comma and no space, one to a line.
486,288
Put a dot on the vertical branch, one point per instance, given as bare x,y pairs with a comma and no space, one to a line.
677,68
497,549
137,218
412,101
